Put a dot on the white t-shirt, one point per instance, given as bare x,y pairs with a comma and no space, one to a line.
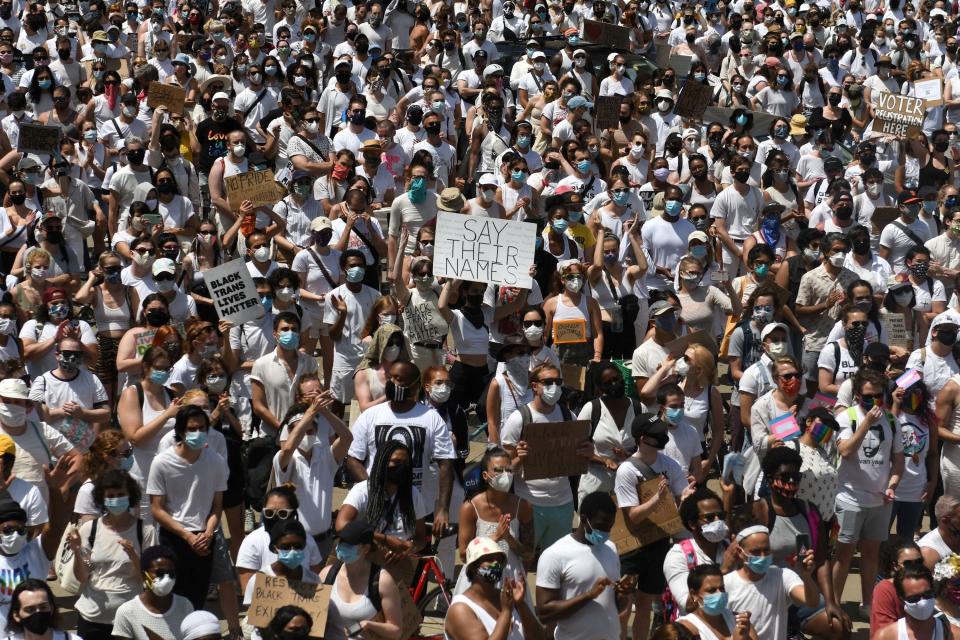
573,568
739,213
936,370
84,389
359,496
546,492
628,477
862,480
30,500
31,562
313,480
683,445
348,350
422,429
847,367
134,621
189,488
767,600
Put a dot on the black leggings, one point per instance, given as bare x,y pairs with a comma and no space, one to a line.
193,571
93,630
469,383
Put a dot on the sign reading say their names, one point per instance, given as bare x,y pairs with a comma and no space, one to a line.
272,592
233,292
167,95
259,187
897,114
481,249
37,138
553,449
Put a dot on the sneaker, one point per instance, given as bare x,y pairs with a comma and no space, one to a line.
249,521
213,592
864,611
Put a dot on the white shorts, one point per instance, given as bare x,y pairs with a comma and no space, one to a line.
341,384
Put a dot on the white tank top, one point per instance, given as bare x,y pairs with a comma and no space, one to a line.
565,312
601,291
706,633
343,615
144,453
902,630
488,622
696,410
109,319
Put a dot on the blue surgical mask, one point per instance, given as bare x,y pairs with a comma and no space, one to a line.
666,322
291,558
195,439
355,274
594,537
289,339
518,176
741,119
583,166
780,132
759,564
674,414
116,506
348,553
559,225
523,141
267,303
126,463
622,198
418,190
673,208
715,603
159,377
699,251
762,270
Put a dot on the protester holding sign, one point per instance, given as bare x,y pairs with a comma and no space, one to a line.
573,319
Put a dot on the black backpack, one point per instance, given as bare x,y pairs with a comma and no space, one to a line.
258,457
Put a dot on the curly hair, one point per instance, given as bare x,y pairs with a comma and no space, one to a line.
115,479
105,446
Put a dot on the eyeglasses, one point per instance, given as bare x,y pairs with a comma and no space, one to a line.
549,381
858,324
919,596
13,529
532,323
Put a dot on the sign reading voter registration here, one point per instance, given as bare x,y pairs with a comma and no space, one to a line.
483,249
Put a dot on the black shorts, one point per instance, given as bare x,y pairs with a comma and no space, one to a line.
647,564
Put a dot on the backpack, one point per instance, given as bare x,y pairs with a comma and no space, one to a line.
258,457
595,412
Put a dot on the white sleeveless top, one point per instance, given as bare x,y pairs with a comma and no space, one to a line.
512,396
343,615
696,410
902,630
488,622
579,312
109,319
951,449
706,633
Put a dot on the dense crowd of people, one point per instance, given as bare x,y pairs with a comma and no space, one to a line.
754,216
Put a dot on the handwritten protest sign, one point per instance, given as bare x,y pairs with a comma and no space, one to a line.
895,326
272,592
611,35
785,427
882,216
168,95
663,521
896,114
419,323
694,99
681,64
484,249
37,138
259,187
233,292
930,91
620,535
606,112
909,378
402,572
569,331
553,449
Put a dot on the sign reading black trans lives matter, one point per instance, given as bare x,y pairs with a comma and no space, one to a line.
233,292
484,249
897,115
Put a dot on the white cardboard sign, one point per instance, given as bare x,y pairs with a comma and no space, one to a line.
481,249
233,292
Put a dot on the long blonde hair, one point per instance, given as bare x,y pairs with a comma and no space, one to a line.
706,364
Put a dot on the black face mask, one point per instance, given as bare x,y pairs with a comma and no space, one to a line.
941,145
5,12
171,254
691,38
166,187
19,198
358,119
741,176
861,247
136,157
475,300
63,53
775,49
834,99
397,474
433,129
157,317
362,48
169,143
415,119
624,119
844,212
38,623
343,78
867,160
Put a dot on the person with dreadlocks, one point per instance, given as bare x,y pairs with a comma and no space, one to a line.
390,502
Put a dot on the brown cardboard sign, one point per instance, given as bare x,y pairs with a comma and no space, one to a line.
680,345
39,139
552,449
896,114
664,521
258,187
882,216
606,112
694,99
168,95
614,36
895,326
272,592
620,536
574,376
570,331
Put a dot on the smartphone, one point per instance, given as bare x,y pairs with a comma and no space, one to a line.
803,544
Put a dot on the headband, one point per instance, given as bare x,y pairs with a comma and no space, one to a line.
749,531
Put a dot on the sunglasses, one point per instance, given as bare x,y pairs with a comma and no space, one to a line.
859,324
17,530
790,376
919,596
549,381
283,514
532,323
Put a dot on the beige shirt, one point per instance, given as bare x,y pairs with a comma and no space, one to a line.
815,286
945,251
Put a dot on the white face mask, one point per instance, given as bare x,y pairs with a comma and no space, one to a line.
38,273
285,294
518,366
777,349
6,326
12,414
921,610
873,189
390,354
387,318
239,150
715,531
551,394
488,194
573,285
262,254
12,543
312,127
165,286
306,444
216,384
837,259
440,393
682,367
501,482
162,586
533,334
636,152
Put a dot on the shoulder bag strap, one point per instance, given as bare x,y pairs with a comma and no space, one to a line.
323,268
255,103
910,234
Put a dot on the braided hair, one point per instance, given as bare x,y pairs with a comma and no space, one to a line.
379,504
